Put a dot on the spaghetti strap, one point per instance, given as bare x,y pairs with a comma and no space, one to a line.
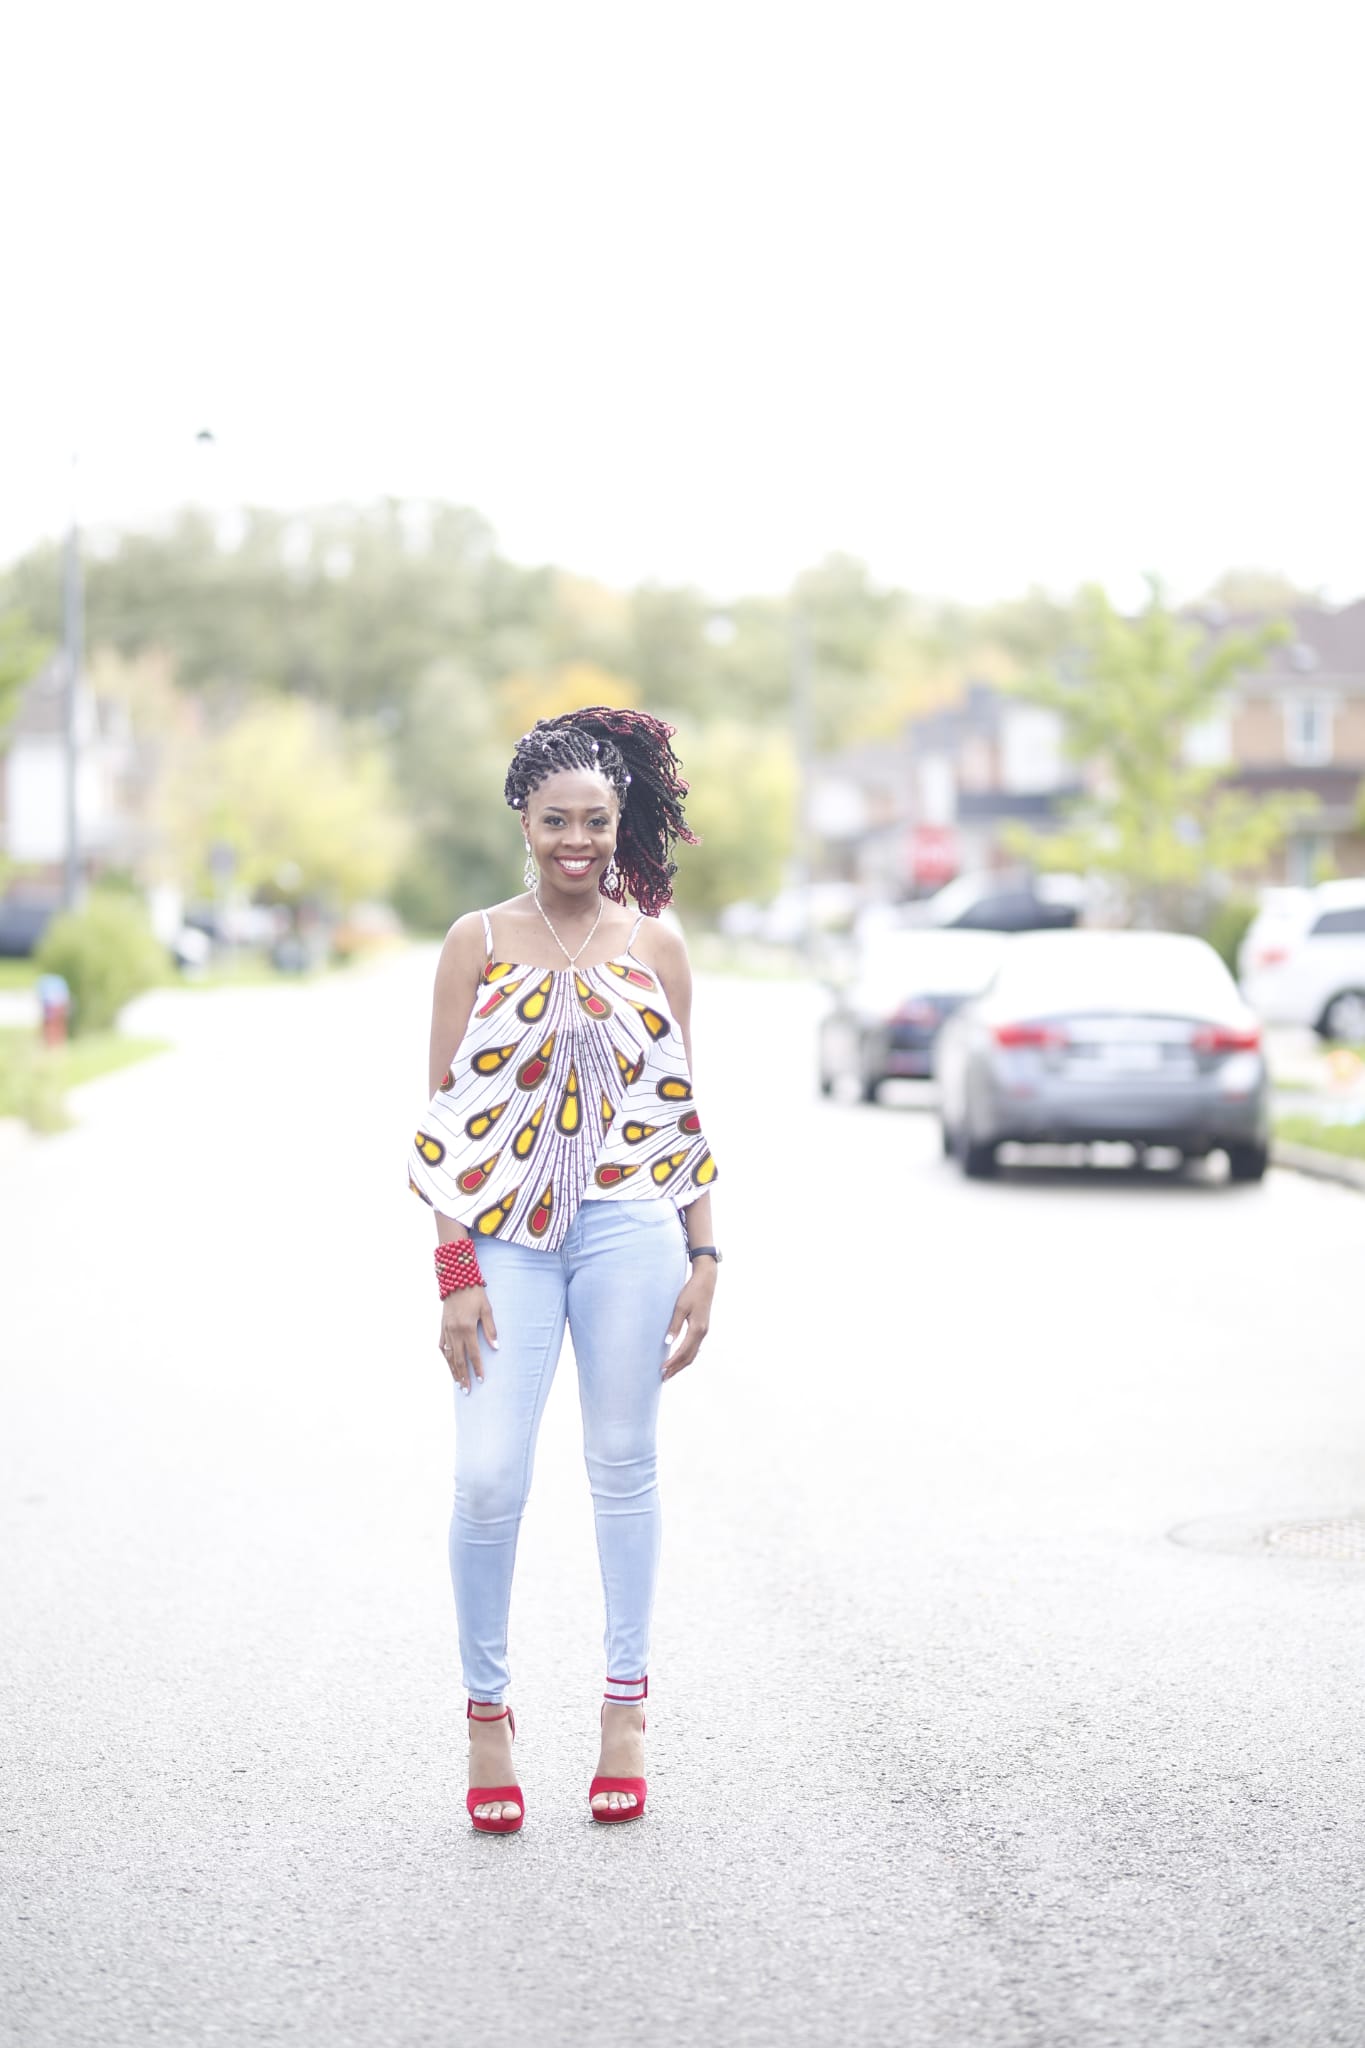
634,930
487,936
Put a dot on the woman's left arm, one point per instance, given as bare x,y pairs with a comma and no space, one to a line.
692,1311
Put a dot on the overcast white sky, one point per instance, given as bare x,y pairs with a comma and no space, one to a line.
986,292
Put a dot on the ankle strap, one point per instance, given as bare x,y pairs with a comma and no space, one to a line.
627,1692
470,1715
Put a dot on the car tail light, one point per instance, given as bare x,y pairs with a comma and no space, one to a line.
1272,956
1013,1035
1225,1038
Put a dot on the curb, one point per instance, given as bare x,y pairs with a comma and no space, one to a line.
1348,1173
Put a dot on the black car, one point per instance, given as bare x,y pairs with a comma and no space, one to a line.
883,1025
1010,902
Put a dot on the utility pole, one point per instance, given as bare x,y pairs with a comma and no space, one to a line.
803,747
73,656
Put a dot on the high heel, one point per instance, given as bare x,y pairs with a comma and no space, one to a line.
489,1795
626,1692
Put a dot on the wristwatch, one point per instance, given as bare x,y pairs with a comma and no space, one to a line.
703,1251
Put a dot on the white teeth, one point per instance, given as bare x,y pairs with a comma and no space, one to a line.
576,867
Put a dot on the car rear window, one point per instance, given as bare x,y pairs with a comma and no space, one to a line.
1338,923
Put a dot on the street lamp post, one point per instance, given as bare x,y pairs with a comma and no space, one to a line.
73,655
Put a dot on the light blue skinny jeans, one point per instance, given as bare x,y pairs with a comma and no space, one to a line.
614,1280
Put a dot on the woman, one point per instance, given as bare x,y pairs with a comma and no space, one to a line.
564,1157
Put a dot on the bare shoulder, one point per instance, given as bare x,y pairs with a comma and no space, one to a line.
463,951
663,948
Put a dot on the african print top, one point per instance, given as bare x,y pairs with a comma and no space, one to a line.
570,1085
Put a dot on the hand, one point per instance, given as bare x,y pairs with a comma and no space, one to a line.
693,1309
463,1314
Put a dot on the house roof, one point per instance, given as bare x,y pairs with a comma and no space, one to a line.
1325,647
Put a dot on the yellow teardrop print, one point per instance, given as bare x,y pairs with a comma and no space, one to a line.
570,1110
635,1134
492,1057
671,1089
431,1149
608,1112
704,1172
529,1132
480,1125
492,1220
532,1007
664,1169
655,1025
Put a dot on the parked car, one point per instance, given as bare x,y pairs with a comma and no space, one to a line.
1010,902
23,920
1303,960
906,983
1088,1036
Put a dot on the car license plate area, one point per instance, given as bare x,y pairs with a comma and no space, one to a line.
1120,1048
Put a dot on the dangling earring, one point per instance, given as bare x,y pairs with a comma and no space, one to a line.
529,874
612,875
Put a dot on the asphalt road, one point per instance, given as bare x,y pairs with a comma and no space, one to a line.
950,1743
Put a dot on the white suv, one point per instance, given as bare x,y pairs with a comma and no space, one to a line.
1303,959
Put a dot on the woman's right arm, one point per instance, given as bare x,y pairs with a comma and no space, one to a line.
458,970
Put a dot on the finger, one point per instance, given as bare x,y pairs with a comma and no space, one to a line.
687,1351
679,1318
490,1328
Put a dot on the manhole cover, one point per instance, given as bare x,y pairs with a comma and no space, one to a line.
1338,1538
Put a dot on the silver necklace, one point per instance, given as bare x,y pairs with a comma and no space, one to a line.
572,958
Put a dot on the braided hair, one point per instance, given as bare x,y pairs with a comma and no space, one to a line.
631,751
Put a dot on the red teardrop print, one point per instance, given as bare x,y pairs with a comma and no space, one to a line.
533,1071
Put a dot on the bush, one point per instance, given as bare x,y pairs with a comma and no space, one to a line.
106,953
31,1082
1227,927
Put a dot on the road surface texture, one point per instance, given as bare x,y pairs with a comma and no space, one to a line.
950,1744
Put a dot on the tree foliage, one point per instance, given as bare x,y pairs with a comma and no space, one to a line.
1159,826
303,806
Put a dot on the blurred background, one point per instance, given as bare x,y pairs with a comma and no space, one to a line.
949,418
949,423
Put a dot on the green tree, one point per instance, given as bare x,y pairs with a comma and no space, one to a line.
452,755
22,654
742,805
305,805
1167,832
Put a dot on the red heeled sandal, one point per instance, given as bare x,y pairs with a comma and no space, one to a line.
488,1795
628,1692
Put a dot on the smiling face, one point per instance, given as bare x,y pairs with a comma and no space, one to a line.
570,820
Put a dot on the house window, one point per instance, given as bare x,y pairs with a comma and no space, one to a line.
1308,731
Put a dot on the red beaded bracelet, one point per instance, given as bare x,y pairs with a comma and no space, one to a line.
457,1265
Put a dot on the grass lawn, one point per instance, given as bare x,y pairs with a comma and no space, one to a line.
34,1081
1346,1139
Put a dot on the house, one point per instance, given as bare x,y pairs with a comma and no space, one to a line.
33,780
1298,723
904,817
911,813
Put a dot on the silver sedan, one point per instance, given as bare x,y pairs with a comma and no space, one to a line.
1090,1036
